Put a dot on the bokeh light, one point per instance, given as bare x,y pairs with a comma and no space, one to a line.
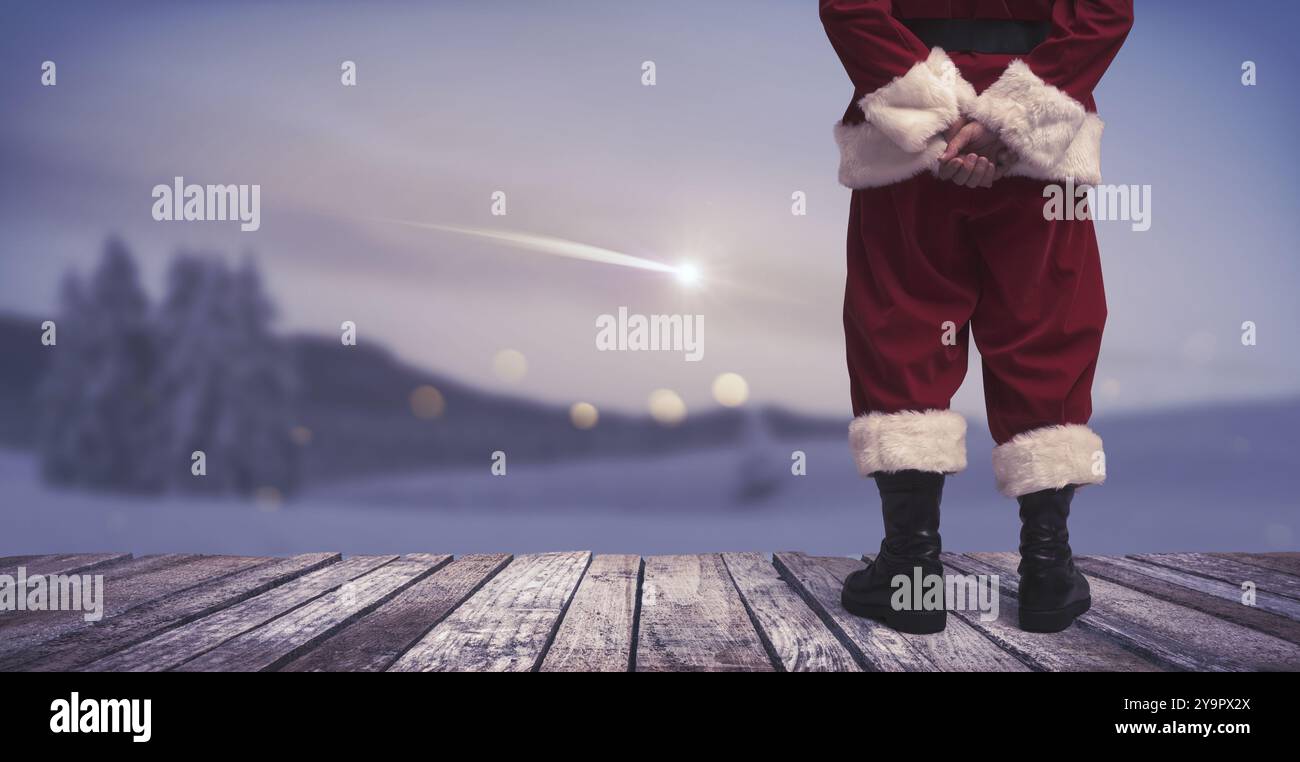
268,499
667,407
584,415
730,389
510,365
427,402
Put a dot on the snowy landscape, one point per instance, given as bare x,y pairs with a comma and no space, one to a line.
313,447
182,336
680,503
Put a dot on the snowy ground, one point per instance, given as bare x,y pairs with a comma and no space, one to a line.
677,504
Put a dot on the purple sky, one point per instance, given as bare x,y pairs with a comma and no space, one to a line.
462,99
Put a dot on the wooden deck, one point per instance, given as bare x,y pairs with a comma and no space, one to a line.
576,611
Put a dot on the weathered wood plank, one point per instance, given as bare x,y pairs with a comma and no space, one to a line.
959,648
598,629
1226,570
1273,614
1287,563
1076,649
1178,636
120,567
279,640
795,636
880,648
13,562
126,583
507,625
176,646
373,643
692,619
75,649
64,563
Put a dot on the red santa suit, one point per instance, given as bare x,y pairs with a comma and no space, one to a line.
927,257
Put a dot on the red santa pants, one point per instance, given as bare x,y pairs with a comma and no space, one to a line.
930,262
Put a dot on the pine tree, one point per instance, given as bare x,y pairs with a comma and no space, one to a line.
225,382
59,399
130,396
96,403
190,339
258,413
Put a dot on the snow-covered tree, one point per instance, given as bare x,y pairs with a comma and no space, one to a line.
95,402
189,336
262,384
131,394
59,397
225,382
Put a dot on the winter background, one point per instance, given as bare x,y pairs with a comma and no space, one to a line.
181,336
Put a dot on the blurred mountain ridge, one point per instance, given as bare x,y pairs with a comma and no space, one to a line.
354,413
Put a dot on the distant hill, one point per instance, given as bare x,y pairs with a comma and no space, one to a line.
356,403
22,363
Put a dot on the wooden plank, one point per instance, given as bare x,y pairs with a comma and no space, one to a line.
959,648
126,583
1273,614
599,629
793,634
374,642
13,562
1287,563
507,625
1175,635
692,619
65,563
113,568
1226,570
78,648
176,646
1076,649
276,642
880,648
9,564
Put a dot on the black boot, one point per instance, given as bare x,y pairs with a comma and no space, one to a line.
1052,591
910,504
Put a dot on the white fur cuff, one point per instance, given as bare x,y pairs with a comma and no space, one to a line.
930,440
919,105
1054,135
903,133
1049,458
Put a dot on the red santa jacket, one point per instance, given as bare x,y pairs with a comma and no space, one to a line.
906,95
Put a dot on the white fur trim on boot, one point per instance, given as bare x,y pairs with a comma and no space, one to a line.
903,133
1054,135
1049,458
929,440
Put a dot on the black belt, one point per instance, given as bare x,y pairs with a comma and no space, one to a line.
980,35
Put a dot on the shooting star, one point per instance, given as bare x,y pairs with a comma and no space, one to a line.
686,273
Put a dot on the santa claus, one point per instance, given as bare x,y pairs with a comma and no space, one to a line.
962,113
